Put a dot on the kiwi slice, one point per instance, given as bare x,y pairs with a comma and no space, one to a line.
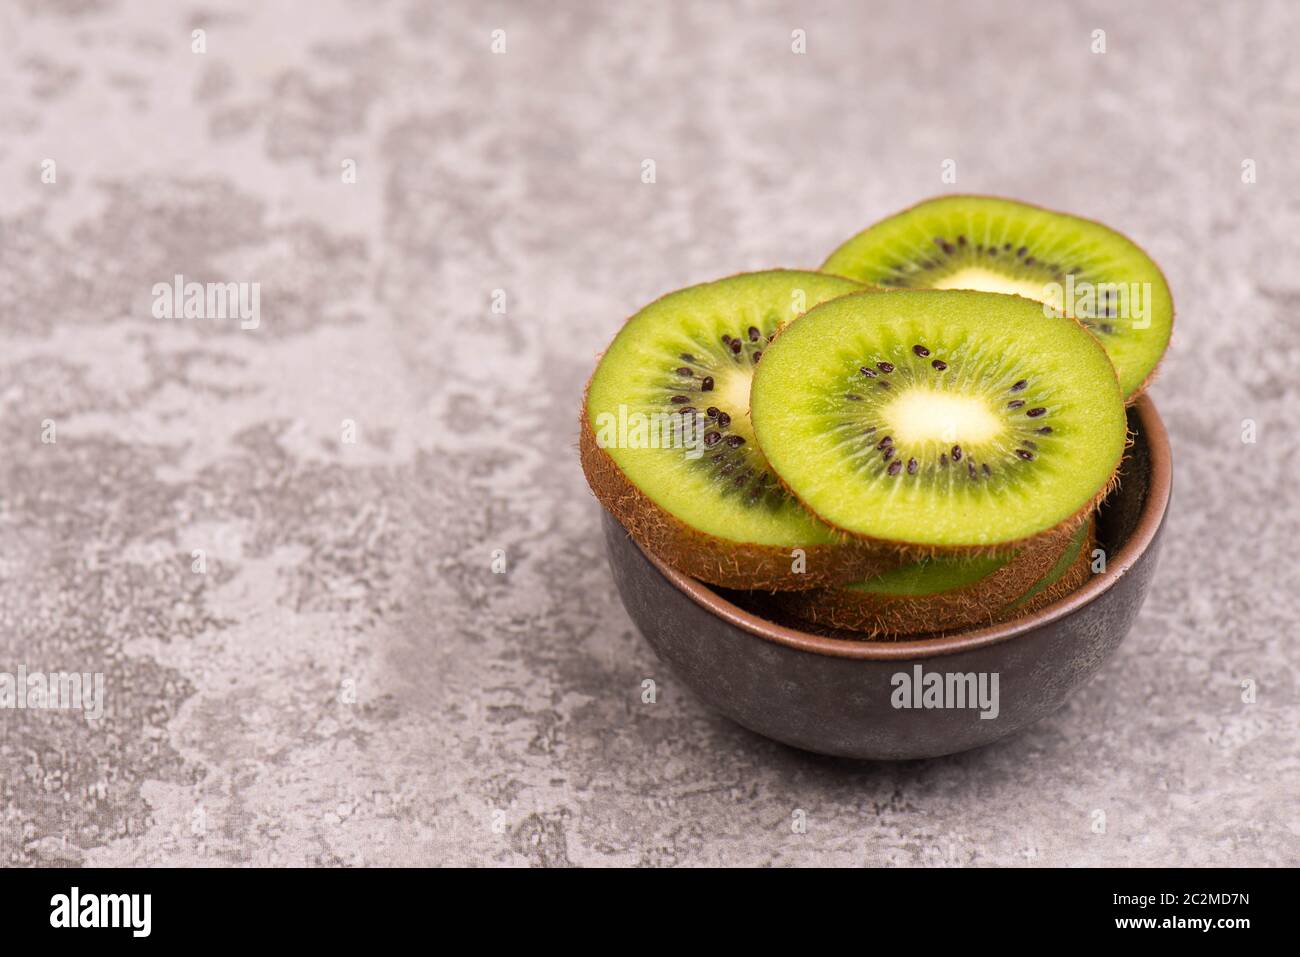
667,446
940,422
938,594
1076,266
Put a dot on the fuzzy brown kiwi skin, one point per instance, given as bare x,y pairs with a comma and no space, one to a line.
889,616
1173,308
1075,577
907,552
741,565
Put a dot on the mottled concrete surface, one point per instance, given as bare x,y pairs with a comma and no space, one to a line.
348,681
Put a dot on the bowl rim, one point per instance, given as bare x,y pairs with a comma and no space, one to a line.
1148,524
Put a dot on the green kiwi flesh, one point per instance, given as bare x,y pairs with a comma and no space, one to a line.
930,576
1076,266
667,446
940,421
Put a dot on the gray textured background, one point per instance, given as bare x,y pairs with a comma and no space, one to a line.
497,718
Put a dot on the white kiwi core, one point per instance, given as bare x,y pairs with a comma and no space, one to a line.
984,280
928,415
733,393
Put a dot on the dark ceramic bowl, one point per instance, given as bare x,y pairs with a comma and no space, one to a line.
836,694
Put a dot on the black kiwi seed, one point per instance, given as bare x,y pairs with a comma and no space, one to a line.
758,354
869,373
911,466
885,367
1021,251
970,469
1025,454
726,339
1045,430
706,384
689,410
887,440
852,397
870,429
1035,413
711,412
961,240
987,470
735,346
884,384
711,439
895,468
724,420
684,371
1015,403
687,357
1019,385
888,453
753,333
678,399
1006,245
735,441
956,453
921,351
1030,261
939,365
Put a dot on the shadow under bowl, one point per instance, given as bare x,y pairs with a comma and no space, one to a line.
837,694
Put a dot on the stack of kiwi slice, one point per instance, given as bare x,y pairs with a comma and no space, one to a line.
912,440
